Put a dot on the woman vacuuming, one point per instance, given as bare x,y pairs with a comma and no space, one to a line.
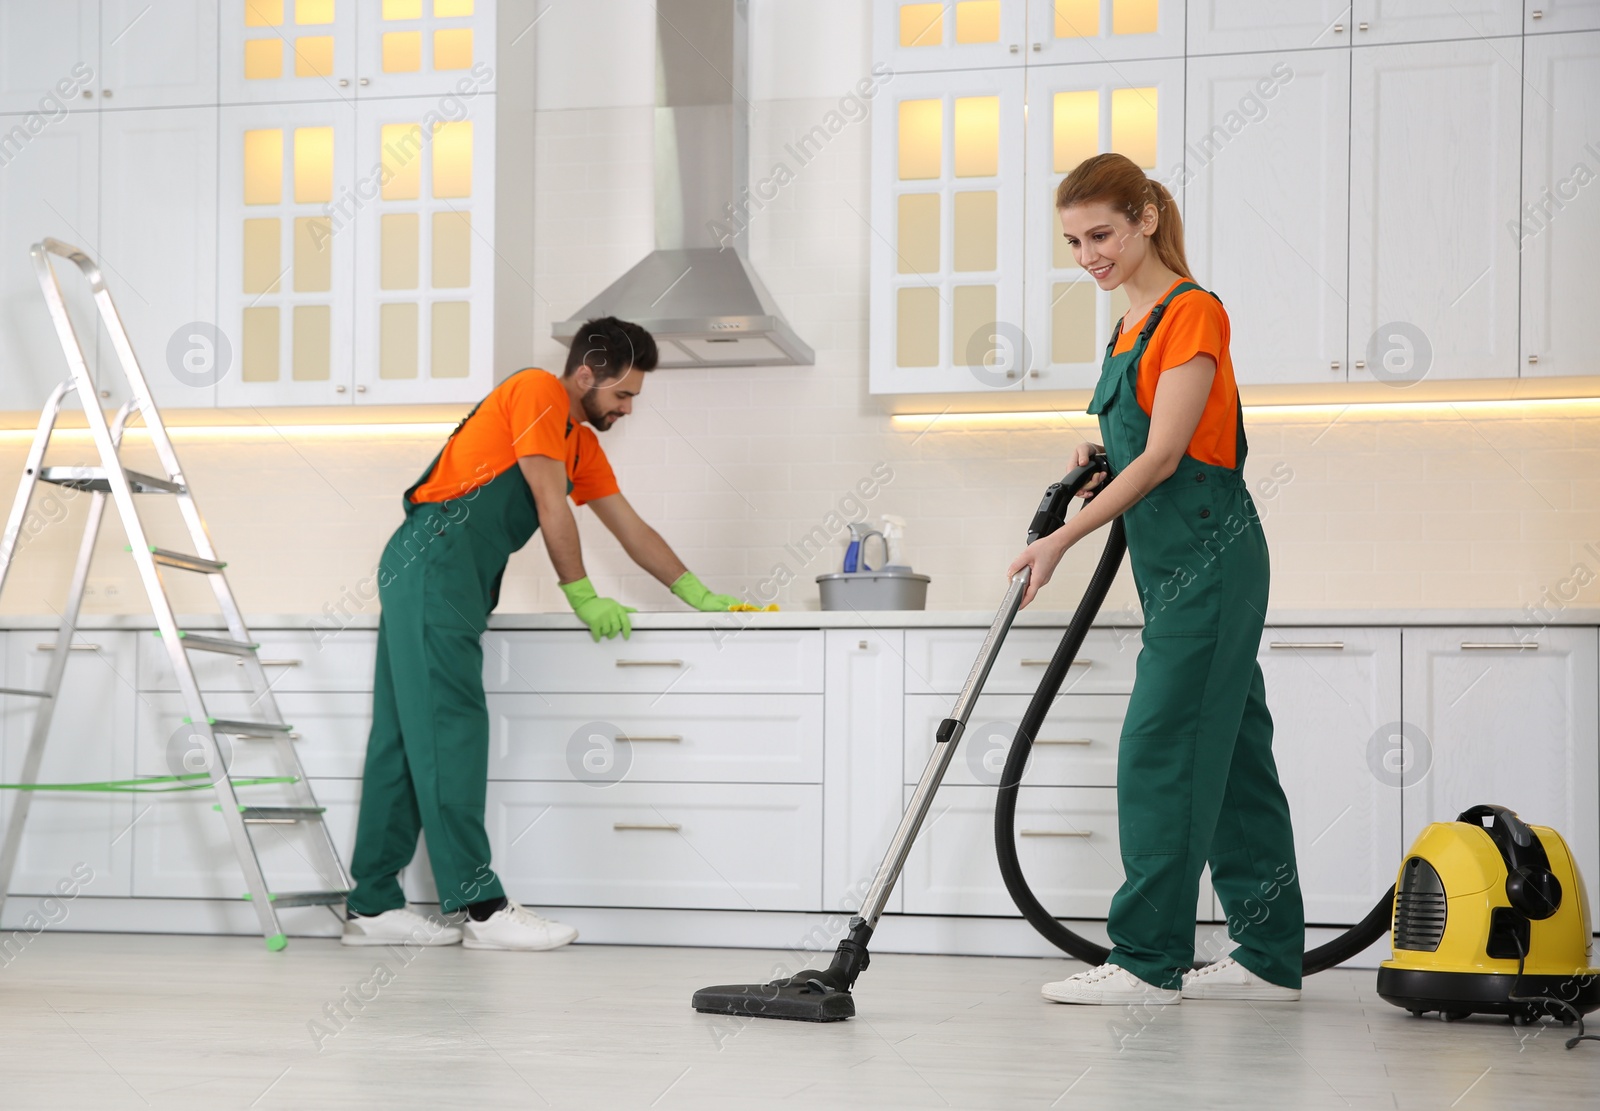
1196,782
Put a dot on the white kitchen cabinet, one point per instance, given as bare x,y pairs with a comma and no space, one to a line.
947,245
288,50
1266,212
296,660
1076,746
918,37
425,47
48,188
285,275
1433,271
158,246
1104,30
713,846
1135,108
1552,16
1506,716
91,739
1385,21
861,791
425,260
155,55
1334,694
49,55
939,660
655,661
330,731
1560,218
1242,26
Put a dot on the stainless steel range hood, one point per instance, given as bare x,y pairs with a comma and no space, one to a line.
697,292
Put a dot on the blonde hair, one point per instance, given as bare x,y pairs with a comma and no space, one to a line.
1115,180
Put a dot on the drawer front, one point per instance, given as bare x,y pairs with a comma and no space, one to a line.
938,661
1067,841
642,738
715,846
1076,746
330,733
654,661
181,848
295,659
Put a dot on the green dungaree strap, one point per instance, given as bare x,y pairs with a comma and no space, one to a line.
427,761
1196,782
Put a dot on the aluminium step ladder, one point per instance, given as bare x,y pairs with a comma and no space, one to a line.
111,479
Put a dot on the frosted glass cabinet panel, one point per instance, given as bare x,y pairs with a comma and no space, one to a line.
416,47
914,36
1265,218
277,50
1104,30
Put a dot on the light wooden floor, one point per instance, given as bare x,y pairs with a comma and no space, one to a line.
126,1021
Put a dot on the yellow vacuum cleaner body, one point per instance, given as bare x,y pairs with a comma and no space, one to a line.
1490,916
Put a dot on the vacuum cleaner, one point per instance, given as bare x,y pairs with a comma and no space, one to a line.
1491,920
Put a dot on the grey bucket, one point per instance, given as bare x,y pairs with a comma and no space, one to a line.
873,590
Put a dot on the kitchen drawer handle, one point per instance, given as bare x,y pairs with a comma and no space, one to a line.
1064,741
274,663
1510,645
1083,833
1046,663
649,663
71,647
672,738
1336,645
664,827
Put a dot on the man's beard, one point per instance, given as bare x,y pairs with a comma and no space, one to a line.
598,418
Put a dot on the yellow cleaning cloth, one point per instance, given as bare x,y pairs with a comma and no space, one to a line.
745,607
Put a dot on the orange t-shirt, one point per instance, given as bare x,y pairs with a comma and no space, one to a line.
527,414
1195,323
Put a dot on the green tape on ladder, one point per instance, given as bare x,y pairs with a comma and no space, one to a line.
249,898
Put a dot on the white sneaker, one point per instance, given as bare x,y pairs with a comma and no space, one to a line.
1228,979
1107,984
398,927
516,927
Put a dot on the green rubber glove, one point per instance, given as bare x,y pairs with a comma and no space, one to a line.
693,591
606,617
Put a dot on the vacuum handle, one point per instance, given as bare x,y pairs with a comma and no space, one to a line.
1052,511
1503,816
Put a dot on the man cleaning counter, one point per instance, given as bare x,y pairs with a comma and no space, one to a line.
506,471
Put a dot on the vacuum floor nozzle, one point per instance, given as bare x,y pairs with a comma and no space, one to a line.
802,1002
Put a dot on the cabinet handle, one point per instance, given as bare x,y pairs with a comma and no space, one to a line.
344,82
1046,663
649,663
1361,364
1361,26
361,389
105,393
664,827
1013,48
272,663
1338,28
106,93
1064,741
294,735
1508,645
88,94
338,389
1537,14
366,81
670,738
1336,645
1533,359
1334,365
50,647
1083,833
1037,47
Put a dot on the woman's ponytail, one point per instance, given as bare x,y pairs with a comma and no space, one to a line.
1114,179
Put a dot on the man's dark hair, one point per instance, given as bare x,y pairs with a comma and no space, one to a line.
610,347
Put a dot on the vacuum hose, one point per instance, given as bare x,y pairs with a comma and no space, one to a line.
1340,949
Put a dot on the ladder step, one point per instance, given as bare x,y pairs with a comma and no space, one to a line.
199,642
303,898
278,815
20,693
186,562
94,480
247,728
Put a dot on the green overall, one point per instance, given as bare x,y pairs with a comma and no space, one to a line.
1196,782
428,754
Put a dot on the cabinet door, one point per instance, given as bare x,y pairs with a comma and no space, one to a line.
425,268
1239,26
1335,701
1380,21
1433,273
91,738
917,37
1510,719
49,57
861,794
1104,30
1133,108
286,50
1266,206
1546,16
158,208
947,243
158,55
1560,219
425,47
48,187
286,246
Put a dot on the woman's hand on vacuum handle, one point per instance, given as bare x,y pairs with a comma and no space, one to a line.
1081,455
1041,557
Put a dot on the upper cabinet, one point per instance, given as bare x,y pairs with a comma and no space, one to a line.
420,47
916,37
49,56
1548,16
1381,21
158,55
1104,30
278,50
1238,26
